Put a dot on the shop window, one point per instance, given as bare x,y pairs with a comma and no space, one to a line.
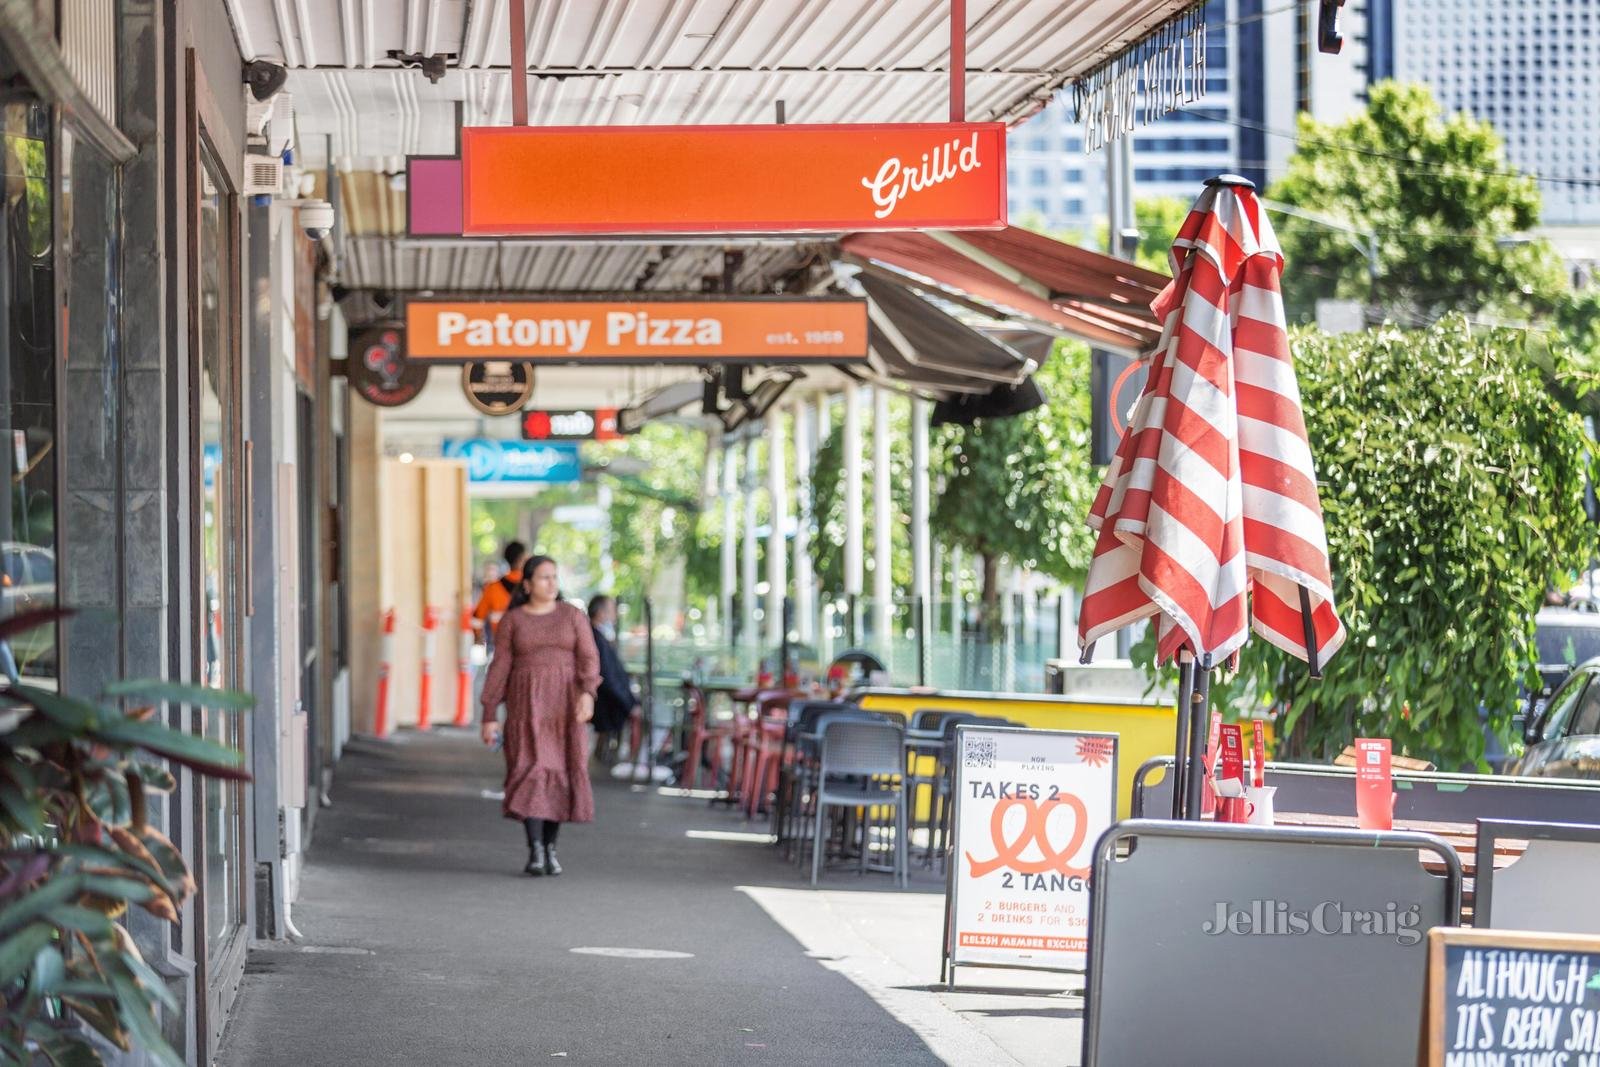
28,386
221,538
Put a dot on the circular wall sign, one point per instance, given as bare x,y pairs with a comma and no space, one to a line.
496,386
378,369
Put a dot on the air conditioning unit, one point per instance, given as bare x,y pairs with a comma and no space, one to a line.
263,175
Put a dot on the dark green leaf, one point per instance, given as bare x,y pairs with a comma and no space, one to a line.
199,753
31,620
17,950
158,778
49,970
75,917
137,1016
70,712
153,691
59,889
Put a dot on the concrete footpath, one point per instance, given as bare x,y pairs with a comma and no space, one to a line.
677,936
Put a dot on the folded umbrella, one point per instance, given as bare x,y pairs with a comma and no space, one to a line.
1209,518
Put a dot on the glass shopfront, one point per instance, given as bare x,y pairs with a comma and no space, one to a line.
28,386
221,555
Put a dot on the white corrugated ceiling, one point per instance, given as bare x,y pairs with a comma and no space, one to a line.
375,262
668,61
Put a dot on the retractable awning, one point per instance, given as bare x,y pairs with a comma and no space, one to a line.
919,346
1014,272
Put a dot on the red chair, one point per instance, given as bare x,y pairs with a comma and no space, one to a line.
701,733
765,750
747,739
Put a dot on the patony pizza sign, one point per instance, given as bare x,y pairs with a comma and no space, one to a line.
579,331
732,179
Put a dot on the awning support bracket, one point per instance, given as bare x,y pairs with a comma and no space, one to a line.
958,60
519,62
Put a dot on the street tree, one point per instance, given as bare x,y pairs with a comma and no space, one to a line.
1452,485
1018,488
1417,213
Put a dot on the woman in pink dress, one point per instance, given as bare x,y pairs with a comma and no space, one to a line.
546,670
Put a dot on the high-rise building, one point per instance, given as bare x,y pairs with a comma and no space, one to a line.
1262,70
1283,75
1530,67
1053,183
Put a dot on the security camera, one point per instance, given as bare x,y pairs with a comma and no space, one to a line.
265,78
316,218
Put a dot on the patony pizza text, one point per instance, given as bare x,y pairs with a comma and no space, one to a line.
834,331
1031,804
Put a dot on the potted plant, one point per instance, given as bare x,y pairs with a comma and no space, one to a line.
76,851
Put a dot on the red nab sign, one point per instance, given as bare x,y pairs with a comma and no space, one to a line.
597,425
733,179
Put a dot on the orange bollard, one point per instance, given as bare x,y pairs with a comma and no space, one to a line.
380,724
464,669
430,623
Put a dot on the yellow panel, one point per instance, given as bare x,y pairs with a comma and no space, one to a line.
1144,730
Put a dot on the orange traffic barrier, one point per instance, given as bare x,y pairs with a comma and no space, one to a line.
380,725
430,623
464,671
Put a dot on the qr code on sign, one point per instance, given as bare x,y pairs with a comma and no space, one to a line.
980,752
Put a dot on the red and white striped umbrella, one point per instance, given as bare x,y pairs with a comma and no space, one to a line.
1209,512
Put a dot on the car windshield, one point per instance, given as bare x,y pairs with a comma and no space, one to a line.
1569,645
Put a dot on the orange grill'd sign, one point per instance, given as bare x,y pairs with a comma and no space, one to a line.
832,331
733,179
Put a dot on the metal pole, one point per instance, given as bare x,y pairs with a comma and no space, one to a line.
747,562
922,641
921,554
650,690
777,551
1180,747
730,532
805,599
958,60
519,63
783,645
853,561
1198,730
882,524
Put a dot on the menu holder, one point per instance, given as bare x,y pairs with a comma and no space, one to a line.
1512,998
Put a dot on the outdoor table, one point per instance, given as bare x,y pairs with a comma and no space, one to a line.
1463,837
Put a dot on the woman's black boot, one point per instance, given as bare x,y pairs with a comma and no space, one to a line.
536,851
552,866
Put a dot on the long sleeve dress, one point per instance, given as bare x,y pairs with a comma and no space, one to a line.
541,665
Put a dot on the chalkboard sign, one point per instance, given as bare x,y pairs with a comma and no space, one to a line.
1503,999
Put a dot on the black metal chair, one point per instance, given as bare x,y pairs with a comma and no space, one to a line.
807,766
803,716
862,766
927,738
944,785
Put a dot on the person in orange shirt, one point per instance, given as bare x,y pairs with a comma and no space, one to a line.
495,599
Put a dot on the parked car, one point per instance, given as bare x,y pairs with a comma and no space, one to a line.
1563,638
1563,740
28,583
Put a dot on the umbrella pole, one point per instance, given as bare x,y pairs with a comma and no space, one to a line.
1198,701
1180,750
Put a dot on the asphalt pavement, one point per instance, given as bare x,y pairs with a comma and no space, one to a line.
676,936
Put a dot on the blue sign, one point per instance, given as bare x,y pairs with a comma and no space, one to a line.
515,462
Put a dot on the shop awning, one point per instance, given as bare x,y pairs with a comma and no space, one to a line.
919,346
1056,286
